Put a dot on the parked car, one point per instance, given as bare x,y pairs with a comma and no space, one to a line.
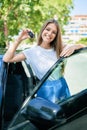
20,107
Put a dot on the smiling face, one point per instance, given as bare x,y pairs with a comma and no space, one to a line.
48,35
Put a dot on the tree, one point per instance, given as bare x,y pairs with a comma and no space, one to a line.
18,14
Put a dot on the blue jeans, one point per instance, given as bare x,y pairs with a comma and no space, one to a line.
55,90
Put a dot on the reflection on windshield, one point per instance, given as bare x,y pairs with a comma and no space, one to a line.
76,72
67,79
55,88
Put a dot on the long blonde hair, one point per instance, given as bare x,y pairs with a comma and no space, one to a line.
57,42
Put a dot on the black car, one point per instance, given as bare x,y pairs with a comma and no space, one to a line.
21,109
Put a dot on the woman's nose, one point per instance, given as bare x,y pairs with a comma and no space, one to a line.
49,33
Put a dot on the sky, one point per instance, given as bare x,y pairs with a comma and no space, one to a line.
80,7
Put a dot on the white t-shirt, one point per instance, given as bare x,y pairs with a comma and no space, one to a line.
40,59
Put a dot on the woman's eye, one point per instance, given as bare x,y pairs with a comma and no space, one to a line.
55,33
47,29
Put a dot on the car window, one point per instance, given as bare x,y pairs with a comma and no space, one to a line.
74,71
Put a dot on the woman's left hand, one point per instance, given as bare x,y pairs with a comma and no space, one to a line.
70,48
67,50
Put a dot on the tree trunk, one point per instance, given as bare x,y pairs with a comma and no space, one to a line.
6,33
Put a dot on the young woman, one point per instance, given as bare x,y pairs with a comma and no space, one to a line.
47,51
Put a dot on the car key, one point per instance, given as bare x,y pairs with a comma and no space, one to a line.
31,34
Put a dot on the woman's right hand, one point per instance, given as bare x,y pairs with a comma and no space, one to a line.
24,34
10,55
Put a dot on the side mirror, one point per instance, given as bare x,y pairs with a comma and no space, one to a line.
43,113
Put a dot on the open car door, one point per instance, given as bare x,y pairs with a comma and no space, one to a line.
67,113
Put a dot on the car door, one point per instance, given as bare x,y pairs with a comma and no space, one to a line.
66,112
15,87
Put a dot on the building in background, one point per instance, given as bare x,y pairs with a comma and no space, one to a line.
75,29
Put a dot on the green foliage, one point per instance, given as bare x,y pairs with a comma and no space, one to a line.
83,41
18,14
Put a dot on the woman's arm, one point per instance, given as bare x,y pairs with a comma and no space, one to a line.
10,55
68,49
